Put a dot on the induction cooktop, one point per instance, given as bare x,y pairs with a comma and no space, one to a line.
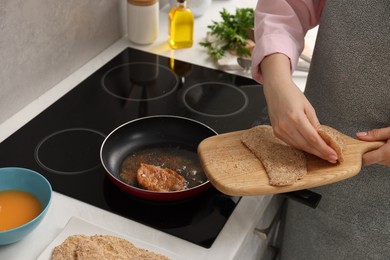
63,142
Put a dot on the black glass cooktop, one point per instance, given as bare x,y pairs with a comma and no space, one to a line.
63,142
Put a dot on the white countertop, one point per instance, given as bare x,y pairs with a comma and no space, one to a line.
63,208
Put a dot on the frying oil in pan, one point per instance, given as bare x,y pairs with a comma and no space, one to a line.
184,162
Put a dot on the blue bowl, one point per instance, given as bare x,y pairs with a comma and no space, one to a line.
12,178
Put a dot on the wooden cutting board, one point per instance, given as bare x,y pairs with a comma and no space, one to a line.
234,170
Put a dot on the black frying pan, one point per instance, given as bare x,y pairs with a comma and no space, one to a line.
160,140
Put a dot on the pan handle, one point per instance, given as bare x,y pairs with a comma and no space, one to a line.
306,197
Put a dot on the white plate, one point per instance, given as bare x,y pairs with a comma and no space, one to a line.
77,226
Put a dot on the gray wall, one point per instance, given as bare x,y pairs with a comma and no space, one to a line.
44,41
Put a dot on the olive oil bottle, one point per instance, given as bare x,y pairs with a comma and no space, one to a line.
181,26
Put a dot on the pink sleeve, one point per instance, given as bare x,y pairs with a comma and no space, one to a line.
280,27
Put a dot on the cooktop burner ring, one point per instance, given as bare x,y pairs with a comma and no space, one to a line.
159,80
226,108
62,149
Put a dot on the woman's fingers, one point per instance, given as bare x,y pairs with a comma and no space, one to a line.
299,130
380,155
305,137
375,134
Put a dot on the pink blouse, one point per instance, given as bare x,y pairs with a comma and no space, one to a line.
280,27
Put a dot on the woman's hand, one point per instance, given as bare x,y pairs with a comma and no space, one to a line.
292,116
380,155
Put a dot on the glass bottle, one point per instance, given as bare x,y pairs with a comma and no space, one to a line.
181,26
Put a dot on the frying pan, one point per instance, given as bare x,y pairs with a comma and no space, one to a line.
155,133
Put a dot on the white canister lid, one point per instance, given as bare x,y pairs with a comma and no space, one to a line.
142,2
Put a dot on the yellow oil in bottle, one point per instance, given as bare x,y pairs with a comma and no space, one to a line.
181,26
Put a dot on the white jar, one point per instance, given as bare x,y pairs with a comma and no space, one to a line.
142,21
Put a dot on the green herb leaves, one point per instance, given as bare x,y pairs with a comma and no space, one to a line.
231,33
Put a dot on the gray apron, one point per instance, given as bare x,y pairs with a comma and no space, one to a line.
348,85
